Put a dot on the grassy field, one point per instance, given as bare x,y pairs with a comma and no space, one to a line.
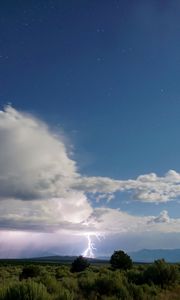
28,280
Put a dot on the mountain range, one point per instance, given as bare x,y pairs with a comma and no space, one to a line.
141,256
147,255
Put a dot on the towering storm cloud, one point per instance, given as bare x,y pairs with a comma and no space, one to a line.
42,191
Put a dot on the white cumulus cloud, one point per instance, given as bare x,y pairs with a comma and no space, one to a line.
41,189
146,188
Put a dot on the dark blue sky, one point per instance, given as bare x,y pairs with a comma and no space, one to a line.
106,69
107,72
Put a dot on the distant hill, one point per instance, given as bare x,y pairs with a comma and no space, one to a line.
52,259
66,259
146,255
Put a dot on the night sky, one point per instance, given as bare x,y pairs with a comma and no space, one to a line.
89,126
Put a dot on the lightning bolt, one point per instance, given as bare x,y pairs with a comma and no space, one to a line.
89,252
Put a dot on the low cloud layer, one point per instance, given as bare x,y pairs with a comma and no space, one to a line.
145,188
41,189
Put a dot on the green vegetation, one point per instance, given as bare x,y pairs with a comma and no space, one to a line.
79,264
84,281
120,260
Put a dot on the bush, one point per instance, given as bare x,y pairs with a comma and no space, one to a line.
120,260
70,283
28,290
79,264
86,283
161,273
53,286
62,271
112,283
64,294
30,272
135,276
58,289
136,292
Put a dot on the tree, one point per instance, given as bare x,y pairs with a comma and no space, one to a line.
120,260
79,264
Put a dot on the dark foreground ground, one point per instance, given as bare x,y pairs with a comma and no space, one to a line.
52,279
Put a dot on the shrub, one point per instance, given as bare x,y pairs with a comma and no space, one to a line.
28,290
136,292
161,273
52,285
64,294
62,271
79,264
112,283
30,272
56,288
120,260
70,283
87,283
135,276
